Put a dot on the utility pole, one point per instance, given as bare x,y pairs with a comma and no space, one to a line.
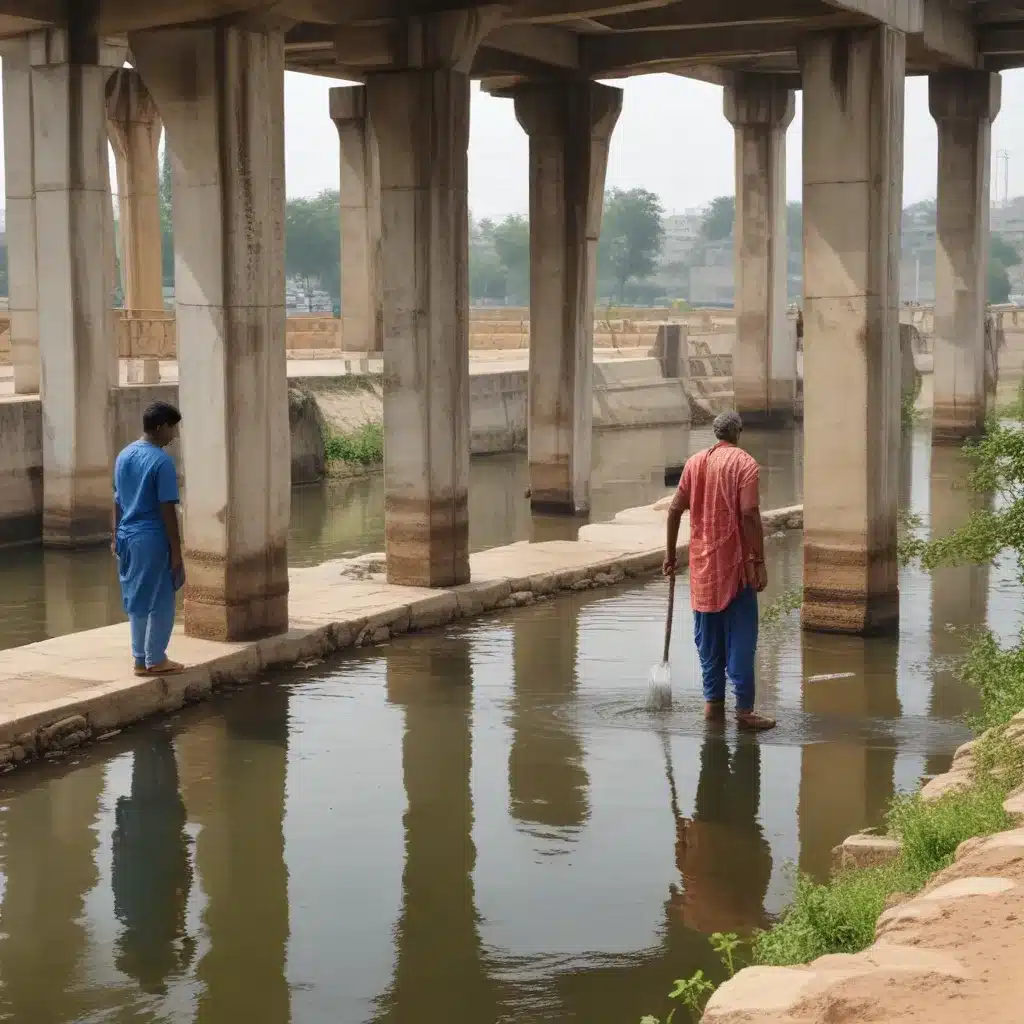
1004,155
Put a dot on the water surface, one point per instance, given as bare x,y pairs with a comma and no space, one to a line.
475,825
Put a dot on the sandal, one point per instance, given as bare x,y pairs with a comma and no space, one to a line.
754,722
165,668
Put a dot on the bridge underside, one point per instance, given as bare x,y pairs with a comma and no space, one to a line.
210,73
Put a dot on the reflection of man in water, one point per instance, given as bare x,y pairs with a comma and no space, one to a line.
721,852
152,873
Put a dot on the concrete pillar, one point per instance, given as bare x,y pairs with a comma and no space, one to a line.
74,221
362,316
963,104
853,177
421,122
570,127
225,134
764,359
20,230
134,126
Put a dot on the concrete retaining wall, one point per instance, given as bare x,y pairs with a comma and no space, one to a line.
21,471
627,394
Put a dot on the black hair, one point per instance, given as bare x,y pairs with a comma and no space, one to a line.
158,415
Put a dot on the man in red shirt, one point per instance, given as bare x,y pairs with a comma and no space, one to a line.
719,488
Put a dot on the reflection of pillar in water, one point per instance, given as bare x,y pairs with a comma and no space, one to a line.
628,469
960,594
308,516
81,590
499,510
721,853
152,872
240,859
547,776
846,773
48,862
440,974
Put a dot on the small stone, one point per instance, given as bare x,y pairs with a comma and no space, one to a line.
521,597
865,851
581,585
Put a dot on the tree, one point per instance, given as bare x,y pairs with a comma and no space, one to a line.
1002,251
631,236
998,283
511,239
718,219
488,279
166,224
313,243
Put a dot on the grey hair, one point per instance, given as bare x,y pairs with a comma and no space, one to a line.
727,426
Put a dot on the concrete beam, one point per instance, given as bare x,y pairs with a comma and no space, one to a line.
543,43
46,11
903,15
602,55
712,14
948,34
1001,41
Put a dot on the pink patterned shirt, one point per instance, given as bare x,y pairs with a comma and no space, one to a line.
717,486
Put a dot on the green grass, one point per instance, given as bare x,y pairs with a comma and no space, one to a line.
840,916
363,446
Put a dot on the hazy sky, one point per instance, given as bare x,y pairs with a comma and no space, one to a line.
671,138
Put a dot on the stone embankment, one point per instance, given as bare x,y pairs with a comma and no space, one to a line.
61,693
950,954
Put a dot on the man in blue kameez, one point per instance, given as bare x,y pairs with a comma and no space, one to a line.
147,539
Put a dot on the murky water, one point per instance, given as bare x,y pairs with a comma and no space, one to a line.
473,826
50,593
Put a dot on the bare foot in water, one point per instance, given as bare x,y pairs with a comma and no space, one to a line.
753,721
714,711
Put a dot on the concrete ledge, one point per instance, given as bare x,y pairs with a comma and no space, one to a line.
64,692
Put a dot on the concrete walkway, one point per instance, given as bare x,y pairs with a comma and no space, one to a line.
60,693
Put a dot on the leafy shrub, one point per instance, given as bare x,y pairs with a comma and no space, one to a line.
362,447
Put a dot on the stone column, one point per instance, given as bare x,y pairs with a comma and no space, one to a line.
764,359
963,104
362,321
220,92
74,220
570,127
853,176
421,122
20,230
134,126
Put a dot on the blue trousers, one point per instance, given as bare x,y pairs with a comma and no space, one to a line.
726,644
147,590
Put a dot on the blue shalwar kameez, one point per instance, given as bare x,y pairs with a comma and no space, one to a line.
144,479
